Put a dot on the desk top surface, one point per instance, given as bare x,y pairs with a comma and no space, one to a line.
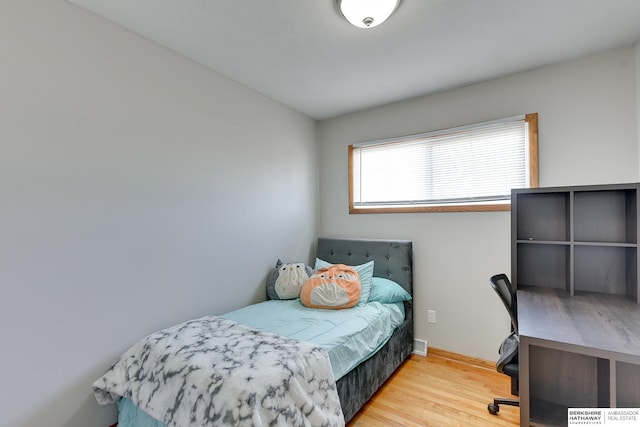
591,320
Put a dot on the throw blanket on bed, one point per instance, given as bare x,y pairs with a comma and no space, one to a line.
215,372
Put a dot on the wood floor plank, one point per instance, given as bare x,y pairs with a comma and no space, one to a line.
443,389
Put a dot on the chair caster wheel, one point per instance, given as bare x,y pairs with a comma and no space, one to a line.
493,408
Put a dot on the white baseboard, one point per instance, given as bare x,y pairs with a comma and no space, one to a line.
420,347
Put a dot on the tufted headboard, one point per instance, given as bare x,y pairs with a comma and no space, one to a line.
393,259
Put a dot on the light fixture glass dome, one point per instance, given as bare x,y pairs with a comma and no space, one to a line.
367,13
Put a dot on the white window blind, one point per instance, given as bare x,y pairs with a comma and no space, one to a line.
471,164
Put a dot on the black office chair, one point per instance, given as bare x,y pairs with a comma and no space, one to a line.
508,360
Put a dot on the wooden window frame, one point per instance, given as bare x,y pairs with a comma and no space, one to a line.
532,122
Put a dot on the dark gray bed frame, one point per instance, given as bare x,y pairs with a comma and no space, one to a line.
393,259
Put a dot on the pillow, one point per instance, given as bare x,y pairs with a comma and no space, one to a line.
365,271
334,287
286,280
387,291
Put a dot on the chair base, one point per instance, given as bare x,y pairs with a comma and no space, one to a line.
494,407
515,386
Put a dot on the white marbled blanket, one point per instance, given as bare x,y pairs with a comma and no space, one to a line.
215,372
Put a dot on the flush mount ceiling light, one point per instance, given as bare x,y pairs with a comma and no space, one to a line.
367,13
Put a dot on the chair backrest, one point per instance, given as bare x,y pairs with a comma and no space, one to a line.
501,284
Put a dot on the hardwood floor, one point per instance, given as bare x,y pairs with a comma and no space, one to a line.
443,389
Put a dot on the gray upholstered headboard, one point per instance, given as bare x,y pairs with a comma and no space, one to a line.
393,259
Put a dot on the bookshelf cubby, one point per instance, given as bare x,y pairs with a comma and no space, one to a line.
581,239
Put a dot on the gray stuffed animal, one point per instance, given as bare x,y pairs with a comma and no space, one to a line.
287,279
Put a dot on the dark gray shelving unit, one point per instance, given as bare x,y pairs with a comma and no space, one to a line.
574,260
576,238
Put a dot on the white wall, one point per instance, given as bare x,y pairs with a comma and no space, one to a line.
587,135
137,190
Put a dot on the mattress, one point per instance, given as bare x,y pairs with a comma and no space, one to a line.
350,336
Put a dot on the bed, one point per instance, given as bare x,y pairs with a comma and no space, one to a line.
354,385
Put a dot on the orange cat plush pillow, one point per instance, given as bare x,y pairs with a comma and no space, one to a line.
334,287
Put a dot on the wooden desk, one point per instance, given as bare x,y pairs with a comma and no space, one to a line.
579,351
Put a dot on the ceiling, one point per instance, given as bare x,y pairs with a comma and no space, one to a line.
303,54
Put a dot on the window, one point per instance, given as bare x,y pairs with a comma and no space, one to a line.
469,168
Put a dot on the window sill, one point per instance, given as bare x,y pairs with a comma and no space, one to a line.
479,207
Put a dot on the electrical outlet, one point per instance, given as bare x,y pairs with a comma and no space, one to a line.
431,316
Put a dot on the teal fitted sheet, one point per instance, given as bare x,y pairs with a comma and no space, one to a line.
350,336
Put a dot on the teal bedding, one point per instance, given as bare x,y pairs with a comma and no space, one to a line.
350,336
129,415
